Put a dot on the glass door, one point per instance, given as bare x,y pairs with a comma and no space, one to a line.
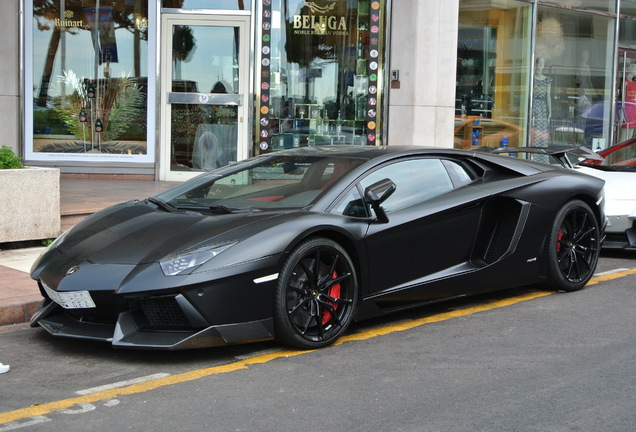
204,98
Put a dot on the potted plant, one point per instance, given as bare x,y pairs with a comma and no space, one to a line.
31,196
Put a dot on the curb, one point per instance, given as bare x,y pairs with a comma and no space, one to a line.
18,311
19,296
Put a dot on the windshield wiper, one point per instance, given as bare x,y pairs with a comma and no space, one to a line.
161,204
215,208
225,210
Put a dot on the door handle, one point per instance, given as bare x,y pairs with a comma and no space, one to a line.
205,98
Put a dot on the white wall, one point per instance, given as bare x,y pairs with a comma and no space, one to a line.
424,50
10,76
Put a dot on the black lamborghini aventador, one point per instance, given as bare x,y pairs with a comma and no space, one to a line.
294,245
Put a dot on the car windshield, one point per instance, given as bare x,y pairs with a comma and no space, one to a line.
269,182
621,157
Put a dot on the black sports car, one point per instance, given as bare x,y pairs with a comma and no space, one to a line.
295,245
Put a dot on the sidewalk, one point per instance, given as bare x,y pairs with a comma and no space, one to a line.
19,294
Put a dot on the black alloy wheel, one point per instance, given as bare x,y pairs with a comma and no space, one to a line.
574,247
316,295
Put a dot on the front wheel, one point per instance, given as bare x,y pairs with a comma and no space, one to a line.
316,295
574,247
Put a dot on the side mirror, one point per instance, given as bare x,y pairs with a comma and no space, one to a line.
376,194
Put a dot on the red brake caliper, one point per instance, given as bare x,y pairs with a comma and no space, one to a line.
559,237
334,292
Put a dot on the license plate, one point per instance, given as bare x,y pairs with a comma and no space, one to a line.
72,299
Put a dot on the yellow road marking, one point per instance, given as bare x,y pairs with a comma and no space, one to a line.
440,317
50,407
47,408
611,276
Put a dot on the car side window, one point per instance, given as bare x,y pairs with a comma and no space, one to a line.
417,180
458,174
351,205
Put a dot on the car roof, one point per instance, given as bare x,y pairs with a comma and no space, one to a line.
372,152
388,152
366,152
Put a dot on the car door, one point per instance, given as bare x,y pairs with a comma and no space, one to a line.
433,219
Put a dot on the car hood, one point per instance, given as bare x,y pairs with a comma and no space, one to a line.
137,233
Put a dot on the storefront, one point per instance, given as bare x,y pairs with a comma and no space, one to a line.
545,73
87,84
166,89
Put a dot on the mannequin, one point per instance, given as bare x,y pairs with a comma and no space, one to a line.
629,108
541,106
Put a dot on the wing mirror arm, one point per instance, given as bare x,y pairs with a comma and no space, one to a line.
376,194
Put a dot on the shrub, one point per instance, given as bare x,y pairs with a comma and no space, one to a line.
8,159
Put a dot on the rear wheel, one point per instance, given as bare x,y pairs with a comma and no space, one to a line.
316,295
573,247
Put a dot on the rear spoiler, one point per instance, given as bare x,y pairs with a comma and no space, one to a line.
557,153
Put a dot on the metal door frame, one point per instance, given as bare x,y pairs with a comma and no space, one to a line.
243,100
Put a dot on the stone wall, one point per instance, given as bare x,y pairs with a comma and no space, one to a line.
30,200
424,51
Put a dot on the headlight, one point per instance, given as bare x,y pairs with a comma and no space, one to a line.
185,261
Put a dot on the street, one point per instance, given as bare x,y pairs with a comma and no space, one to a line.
517,360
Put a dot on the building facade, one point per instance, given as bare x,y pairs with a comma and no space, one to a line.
163,89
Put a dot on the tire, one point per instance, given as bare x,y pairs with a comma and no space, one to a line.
316,295
573,247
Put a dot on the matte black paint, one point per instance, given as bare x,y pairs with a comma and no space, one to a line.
488,235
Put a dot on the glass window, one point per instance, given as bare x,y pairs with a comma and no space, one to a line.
628,28
417,180
321,68
586,5
572,84
352,205
628,8
207,4
457,173
204,59
493,58
625,122
90,78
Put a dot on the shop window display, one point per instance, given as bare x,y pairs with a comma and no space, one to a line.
625,123
89,77
570,92
493,58
320,77
578,84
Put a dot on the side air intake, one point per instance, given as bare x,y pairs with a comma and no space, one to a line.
500,228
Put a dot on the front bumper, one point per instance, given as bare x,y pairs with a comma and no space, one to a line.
149,310
128,332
